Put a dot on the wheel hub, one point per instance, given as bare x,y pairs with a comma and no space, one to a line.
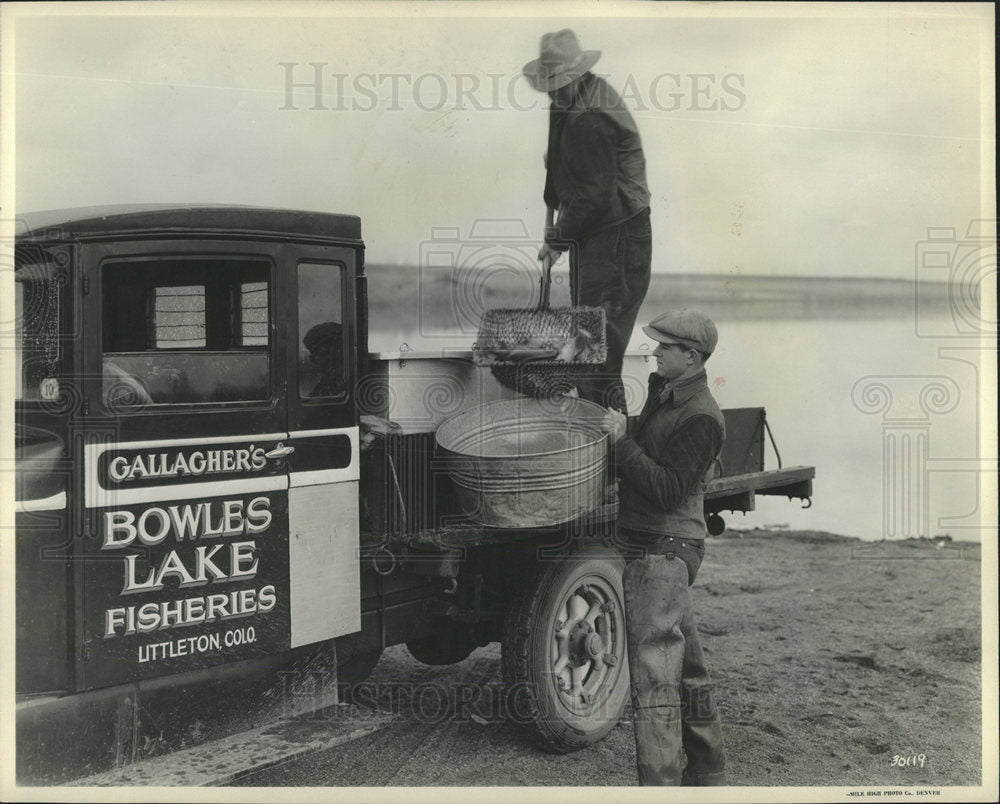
595,646
583,642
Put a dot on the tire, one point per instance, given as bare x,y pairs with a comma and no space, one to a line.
449,646
564,659
353,671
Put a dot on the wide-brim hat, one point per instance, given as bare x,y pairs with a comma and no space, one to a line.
560,63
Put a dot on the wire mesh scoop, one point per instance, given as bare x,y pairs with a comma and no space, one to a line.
542,352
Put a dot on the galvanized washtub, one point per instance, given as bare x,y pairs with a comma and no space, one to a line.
526,463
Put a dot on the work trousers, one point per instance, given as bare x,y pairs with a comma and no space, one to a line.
611,269
673,708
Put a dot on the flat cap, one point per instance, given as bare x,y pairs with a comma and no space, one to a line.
686,327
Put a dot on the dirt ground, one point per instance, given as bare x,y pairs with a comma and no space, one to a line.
834,656
835,660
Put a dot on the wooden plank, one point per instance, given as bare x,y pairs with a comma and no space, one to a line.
759,481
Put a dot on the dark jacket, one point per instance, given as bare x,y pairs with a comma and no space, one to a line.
596,169
666,456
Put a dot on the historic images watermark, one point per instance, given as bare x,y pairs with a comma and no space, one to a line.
317,86
432,702
951,273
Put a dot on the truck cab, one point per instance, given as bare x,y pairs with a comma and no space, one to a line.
187,445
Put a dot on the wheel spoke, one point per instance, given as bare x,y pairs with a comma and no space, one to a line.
561,649
564,679
577,608
594,611
561,663
596,680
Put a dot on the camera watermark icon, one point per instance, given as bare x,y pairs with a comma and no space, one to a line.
494,266
952,275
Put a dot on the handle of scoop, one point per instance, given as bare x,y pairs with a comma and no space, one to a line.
543,303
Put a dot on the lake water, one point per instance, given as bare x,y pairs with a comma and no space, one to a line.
889,421
882,401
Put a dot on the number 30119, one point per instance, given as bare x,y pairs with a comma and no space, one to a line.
912,761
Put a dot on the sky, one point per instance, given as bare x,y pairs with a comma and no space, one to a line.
780,139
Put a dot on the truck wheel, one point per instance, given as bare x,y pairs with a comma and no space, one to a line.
450,646
564,659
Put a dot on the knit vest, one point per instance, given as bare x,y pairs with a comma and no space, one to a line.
653,427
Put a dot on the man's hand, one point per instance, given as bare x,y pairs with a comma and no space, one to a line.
373,426
614,424
548,251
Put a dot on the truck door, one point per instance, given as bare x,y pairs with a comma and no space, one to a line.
324,569
185,560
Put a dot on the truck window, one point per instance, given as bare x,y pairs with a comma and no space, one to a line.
37,302
186,331
322,354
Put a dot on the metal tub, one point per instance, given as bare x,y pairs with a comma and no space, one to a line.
526,463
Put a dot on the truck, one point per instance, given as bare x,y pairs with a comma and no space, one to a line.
227,507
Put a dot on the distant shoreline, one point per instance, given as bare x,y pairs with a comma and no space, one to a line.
703,276
944,541
738,296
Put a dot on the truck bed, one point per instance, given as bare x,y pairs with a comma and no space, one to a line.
731,493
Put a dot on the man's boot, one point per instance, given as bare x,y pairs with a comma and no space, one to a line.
656,601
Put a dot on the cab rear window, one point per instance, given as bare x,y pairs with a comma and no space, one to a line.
184,331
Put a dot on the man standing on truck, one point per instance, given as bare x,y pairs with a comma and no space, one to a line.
663,458
596,179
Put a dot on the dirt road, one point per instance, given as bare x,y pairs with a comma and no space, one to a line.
837,662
